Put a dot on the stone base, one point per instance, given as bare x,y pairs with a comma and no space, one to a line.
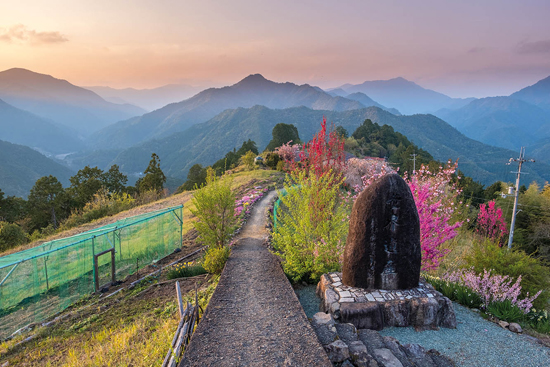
422,307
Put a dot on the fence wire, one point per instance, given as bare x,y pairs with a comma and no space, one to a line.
41,281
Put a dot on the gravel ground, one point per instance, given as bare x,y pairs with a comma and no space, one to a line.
309,300
254,318
477,342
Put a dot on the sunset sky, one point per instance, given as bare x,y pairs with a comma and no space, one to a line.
461,48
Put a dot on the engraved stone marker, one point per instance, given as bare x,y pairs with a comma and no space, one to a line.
383,246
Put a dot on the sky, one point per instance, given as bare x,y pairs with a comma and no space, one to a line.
460,48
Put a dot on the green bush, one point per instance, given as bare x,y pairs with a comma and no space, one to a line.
538,320
312,226
215,259
504,310
455,292
271,160
11,235
535,275
215,211
185,270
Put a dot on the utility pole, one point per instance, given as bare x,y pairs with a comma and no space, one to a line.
414,155
520,161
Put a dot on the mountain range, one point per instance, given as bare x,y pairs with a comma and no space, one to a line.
406,96
202,128
21,166
252,90
57,100
501,121
22,127
206,142
148,99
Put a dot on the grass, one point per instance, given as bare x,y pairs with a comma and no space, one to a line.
134,329
185,271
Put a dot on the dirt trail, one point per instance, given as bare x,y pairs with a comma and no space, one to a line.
254,317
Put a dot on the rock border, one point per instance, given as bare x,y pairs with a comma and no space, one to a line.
422,307
347,346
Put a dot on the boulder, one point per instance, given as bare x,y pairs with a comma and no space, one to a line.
385,358
347,332
360,356
372,339
515,327
418,355
337,351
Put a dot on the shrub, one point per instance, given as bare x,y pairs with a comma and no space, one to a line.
538,320
534,273
248,160
455,292
215,259
493,288
313,225
435,198
505,310
272,160
11,235
491,223
185,270
215,211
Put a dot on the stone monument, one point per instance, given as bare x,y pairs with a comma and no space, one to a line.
380,282
383,246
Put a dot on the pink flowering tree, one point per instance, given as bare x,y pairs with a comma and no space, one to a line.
491,223
435,196
289,153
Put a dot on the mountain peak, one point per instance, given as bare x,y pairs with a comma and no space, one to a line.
253,80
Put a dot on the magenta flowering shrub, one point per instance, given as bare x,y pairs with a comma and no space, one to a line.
435,197
491,223
244,205
493,288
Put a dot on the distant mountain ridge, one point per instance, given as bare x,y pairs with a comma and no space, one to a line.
21,166
500,121
369,102
252,90
149,99
22,127
537,94
206,142
60,101
406,96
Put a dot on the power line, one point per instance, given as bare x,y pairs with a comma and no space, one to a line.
520,161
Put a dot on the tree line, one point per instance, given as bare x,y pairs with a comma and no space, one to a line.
92,191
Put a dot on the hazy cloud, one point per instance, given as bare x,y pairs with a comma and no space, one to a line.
21,33
475,50
537,47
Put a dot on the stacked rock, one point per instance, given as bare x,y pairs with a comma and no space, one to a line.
347,346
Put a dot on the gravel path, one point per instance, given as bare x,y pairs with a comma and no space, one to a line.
477,342
254,317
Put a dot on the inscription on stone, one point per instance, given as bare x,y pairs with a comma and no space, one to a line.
383,246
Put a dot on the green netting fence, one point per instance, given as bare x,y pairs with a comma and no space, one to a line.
41,281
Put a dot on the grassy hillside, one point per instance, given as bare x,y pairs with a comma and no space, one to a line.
134,327
21,166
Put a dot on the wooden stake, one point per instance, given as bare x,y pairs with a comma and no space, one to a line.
178,291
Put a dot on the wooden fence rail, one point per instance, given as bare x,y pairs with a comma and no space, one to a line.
189,317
